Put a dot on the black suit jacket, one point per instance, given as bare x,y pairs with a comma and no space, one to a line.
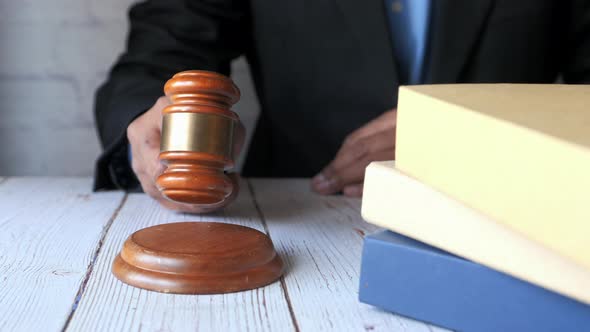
323,68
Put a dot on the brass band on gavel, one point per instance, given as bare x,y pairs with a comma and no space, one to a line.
197,138
198,132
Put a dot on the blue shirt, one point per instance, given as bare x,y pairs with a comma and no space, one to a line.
408,22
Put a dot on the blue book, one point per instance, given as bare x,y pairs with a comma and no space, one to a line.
416,280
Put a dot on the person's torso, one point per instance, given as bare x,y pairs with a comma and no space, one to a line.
324,68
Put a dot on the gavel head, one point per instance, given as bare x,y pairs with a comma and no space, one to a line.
197,138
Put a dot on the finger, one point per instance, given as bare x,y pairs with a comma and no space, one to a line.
351,154
356,172
146,178
149,152
363,147
336,179
146,163
148,185
158,109
143,172
385,121
356,147
151,160
144,136
353,190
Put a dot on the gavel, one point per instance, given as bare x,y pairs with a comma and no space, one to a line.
196,147
197,138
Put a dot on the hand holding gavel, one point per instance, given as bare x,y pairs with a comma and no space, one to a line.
182,145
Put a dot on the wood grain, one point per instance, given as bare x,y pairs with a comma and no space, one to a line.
198,129
49,233
321,238
198,258
108,304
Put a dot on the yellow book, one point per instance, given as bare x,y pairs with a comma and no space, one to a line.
517,153
400,203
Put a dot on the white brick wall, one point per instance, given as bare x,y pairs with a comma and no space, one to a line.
53,55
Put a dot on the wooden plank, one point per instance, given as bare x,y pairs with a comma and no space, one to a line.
320,238
110,305
50,230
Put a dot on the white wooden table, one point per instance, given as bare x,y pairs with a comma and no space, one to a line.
58,240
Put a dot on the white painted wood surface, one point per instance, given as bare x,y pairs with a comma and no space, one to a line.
321,238
57,241
49,232
110,305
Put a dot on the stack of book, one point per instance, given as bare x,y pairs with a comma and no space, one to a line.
487,208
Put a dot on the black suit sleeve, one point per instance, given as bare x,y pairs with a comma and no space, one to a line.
577,52
166,36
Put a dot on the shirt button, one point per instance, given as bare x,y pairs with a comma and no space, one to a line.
397,6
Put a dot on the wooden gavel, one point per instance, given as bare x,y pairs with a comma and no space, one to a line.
197,138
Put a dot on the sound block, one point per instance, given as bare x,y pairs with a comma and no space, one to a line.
198,258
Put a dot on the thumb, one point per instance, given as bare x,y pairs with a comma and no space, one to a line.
156,113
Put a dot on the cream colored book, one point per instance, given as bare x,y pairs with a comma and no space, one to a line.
402,204
517,153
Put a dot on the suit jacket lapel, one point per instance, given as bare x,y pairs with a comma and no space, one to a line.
455,28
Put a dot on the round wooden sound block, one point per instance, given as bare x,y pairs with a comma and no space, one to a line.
198,258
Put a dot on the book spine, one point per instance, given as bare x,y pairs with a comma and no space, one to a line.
406,206
415,280
517,173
